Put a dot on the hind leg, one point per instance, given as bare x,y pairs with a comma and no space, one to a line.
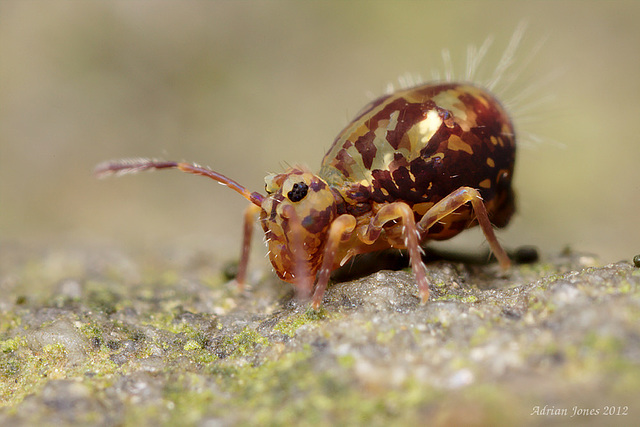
455,200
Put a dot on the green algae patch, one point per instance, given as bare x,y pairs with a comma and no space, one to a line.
243,344
292,391
192,345
291,324
467,299
246,342
12,345
24,370
8,322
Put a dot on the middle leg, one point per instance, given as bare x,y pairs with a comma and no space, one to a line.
403,212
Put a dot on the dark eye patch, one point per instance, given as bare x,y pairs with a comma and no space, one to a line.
298,191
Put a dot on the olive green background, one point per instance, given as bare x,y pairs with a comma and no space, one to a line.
250,87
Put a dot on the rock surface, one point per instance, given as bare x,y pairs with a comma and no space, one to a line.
97,337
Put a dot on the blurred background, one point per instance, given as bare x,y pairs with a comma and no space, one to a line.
248,88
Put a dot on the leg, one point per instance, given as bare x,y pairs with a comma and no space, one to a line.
249,218
298,262
340,231
403,212
455,200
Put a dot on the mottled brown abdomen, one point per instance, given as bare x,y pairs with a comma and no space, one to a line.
418,145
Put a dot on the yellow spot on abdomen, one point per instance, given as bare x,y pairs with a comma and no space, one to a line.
490,162
455,143
486,183
422,208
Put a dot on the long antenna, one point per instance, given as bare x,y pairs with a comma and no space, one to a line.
125,166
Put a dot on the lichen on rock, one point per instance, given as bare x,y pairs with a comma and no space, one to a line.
172,344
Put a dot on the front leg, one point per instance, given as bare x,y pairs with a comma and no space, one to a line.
340,231
455,200
249,219
403,212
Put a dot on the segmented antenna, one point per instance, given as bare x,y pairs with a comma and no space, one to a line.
134,165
